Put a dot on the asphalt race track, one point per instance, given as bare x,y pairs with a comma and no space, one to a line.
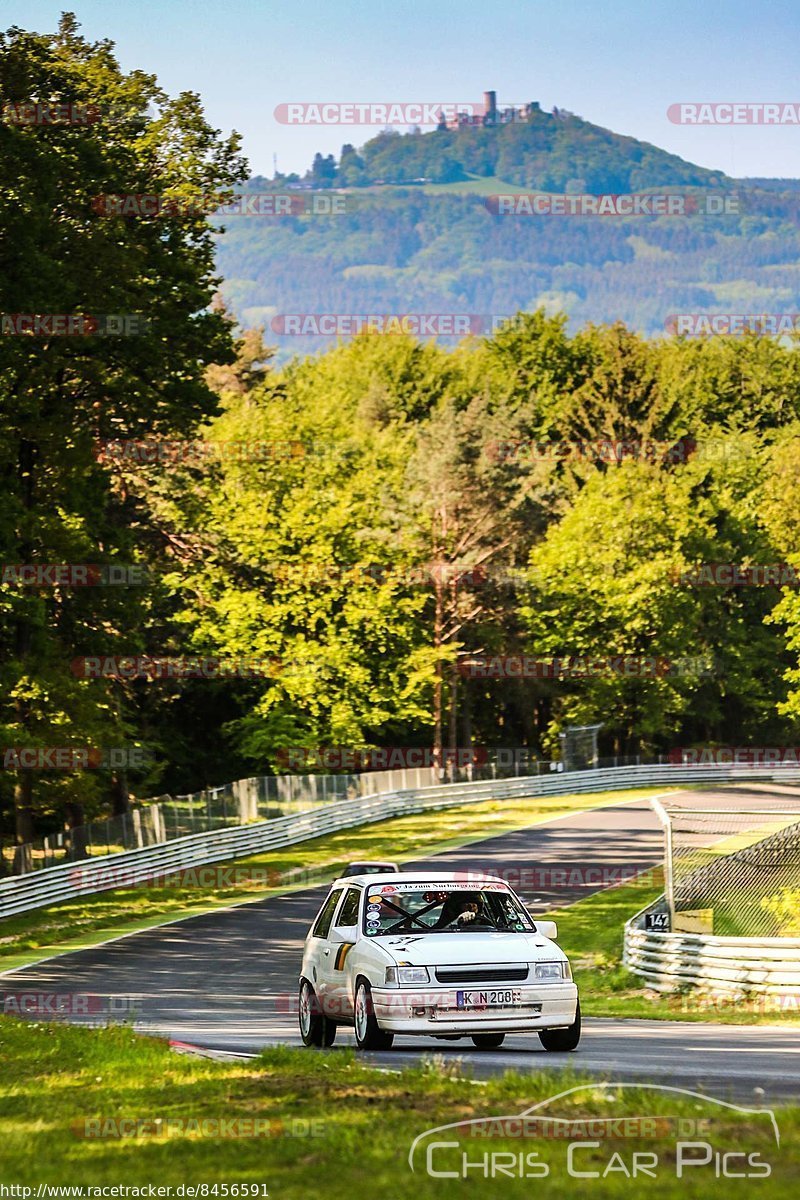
227,981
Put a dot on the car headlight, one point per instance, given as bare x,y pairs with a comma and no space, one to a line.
552,971
395,975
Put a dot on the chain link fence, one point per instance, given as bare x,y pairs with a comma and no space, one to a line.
259,798
733,866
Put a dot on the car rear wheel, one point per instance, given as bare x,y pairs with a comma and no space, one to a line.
563,1039
315,1028
369,1035
488,1041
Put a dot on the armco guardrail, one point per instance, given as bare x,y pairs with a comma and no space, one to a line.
730,966
131,867
166,817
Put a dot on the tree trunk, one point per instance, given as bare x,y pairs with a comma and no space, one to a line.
77,830
466,726
437,684
453,729
23,823
120,797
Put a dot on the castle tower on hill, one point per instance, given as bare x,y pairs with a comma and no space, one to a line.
491,115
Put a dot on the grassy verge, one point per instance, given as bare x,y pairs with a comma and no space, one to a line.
326,1124
591,933
94,918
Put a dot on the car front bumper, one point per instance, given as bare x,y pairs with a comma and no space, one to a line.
435,1011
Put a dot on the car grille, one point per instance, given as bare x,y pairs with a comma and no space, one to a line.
509,973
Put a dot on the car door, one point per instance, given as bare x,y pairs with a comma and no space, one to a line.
317,950
337,999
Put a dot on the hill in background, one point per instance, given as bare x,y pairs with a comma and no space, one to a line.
417,234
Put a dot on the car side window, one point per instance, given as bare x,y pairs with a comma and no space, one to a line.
323,921
348,913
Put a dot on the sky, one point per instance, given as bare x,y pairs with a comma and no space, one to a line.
619,64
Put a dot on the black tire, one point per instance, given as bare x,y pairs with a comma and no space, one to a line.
488,1041
369,1035
315,1028
563,1039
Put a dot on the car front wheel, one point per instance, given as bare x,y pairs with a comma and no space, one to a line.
369,1035
315,1028
563,1039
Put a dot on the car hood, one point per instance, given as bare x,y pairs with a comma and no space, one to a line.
433,949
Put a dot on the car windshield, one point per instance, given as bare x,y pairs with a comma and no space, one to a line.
443,908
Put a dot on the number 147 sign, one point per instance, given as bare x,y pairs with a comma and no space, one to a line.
658,922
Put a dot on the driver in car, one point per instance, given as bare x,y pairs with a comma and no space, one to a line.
457,911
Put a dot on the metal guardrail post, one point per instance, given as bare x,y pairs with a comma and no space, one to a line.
137,827
669,877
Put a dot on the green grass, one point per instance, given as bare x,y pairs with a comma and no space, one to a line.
94,918
56,1078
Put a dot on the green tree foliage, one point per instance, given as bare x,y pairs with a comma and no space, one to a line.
587,477
61,396
614,578
365,523
547,151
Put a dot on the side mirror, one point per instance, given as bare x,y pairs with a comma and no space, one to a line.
547,929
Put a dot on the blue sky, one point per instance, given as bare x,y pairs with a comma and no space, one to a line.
619,65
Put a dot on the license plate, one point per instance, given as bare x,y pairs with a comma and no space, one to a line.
488,999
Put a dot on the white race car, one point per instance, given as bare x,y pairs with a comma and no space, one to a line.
443,955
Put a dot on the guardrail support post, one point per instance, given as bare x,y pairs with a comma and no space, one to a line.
669,878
